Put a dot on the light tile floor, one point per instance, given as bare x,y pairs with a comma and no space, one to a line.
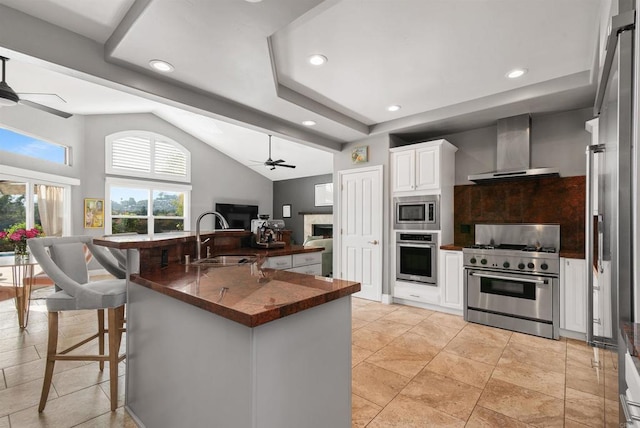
418,368
411,368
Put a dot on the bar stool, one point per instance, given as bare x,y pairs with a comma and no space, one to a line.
63,260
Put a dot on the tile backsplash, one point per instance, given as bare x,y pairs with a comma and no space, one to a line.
558,200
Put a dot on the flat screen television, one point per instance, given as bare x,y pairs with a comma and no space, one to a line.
238,216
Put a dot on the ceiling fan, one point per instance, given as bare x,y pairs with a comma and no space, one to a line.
273,164
8,97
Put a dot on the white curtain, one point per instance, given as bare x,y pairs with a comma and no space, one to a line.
50,207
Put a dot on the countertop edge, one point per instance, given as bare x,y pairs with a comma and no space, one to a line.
242,317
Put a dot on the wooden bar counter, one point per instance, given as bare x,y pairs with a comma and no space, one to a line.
233,346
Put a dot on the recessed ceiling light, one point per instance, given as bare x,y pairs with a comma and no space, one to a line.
394,107
317,59
160,65
516,72
308,123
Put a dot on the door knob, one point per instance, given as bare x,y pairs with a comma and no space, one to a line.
374,242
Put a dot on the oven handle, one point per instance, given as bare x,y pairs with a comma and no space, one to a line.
507,278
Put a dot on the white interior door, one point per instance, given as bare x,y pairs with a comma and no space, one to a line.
361,229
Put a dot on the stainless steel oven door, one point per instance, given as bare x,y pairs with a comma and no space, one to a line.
416,262
523,296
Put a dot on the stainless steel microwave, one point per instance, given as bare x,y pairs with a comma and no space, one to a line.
416,212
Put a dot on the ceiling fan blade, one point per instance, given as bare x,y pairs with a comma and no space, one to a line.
285,165
41,95
59,113
279,161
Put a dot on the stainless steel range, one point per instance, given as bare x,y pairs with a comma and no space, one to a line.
512,278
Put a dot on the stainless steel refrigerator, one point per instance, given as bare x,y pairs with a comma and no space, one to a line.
611,213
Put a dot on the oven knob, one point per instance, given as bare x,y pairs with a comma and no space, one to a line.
521,266
505,265
544,266
483,261
473,260
531,265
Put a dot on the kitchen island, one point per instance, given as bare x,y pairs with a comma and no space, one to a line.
235,346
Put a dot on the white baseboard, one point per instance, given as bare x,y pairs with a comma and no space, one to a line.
573,335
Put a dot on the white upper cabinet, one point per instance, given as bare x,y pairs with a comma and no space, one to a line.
428,168
423,167
404,170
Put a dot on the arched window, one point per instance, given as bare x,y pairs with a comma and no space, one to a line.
147,155
137,205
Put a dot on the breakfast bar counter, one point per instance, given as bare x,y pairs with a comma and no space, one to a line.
247,293
238,345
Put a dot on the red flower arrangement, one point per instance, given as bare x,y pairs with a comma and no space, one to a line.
18,235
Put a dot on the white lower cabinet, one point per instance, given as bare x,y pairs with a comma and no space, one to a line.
307,263
278,262
417,292
451,275
573,295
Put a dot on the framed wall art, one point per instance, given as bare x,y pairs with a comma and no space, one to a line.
324,195
360,154
93,213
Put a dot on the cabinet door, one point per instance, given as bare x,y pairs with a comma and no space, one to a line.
574,290
451,279
427,169
404,164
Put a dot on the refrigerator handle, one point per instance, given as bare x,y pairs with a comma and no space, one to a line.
588,244
600,243
589,232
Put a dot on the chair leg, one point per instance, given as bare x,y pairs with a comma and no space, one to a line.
114,317
52,349
101,332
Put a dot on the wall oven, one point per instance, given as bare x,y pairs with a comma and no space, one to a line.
417,212
416,257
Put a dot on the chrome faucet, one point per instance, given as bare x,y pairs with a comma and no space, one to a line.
223,222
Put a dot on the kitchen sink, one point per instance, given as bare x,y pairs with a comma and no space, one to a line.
226,260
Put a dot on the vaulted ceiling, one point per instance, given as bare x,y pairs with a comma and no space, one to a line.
241,68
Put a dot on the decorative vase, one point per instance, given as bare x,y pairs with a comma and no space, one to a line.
21,252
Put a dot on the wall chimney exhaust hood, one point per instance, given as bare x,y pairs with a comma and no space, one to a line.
513,153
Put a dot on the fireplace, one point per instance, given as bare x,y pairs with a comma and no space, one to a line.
325,221
325,230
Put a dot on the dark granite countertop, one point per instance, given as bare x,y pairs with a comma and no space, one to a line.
247,294
451,247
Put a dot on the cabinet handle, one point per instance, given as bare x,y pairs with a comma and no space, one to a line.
374,242
414,295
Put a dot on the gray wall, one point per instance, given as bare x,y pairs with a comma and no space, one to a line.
557,140
299,193
54,129
214,176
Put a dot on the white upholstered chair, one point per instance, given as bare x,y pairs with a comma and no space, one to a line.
63,260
